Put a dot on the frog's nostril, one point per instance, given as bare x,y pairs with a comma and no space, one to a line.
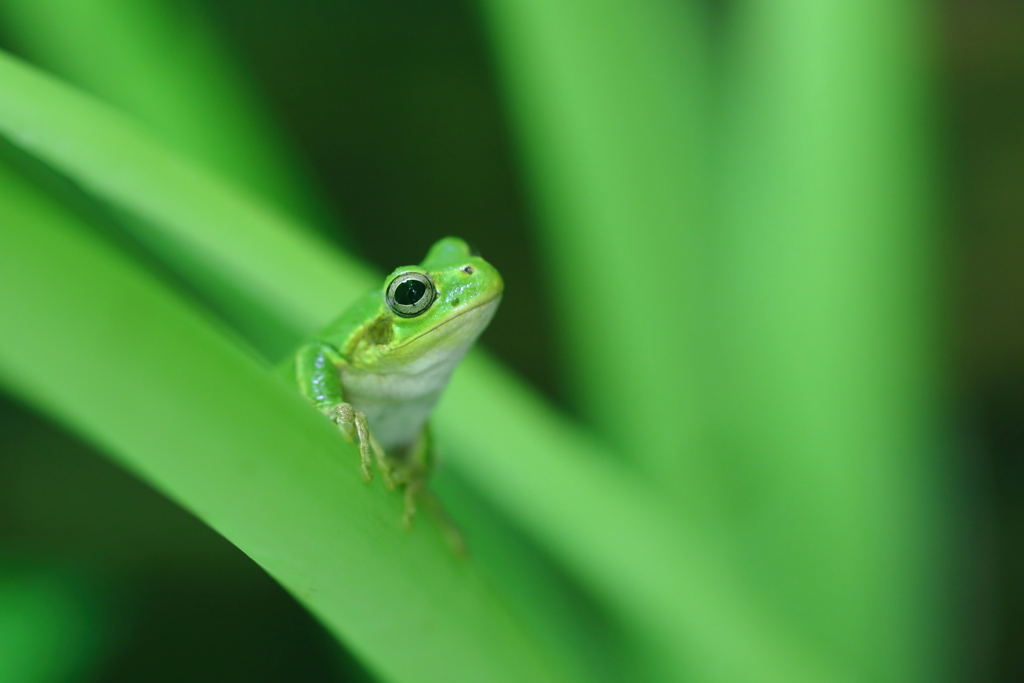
468,270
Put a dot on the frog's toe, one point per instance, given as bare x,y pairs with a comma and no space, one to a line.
352,425
385,475
344,415
412,491
383,463
365,464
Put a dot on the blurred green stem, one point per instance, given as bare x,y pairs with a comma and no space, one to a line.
609,100
827,394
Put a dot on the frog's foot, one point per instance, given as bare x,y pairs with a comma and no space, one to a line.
412,478
417,492
352,424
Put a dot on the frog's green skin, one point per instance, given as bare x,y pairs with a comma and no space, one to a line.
392,369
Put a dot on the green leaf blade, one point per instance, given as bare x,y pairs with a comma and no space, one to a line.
113,157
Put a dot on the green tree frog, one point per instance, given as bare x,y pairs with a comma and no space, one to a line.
378,370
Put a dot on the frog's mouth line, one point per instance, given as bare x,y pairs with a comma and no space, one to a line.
493,300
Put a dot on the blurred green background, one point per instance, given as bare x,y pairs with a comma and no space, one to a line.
394,125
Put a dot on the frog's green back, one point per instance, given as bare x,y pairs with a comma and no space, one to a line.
363,310
340,330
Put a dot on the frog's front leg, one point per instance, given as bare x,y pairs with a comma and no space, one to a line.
316,370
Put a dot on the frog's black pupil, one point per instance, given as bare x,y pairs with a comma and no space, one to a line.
409,292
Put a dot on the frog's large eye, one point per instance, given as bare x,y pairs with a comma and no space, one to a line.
410,294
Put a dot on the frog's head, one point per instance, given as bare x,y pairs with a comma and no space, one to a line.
437,309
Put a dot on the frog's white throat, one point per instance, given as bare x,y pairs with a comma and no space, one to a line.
398,396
